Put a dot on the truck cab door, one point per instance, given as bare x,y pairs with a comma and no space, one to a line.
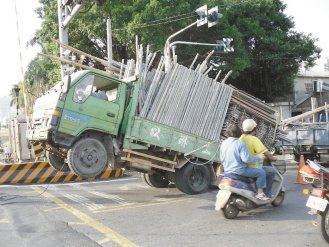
96,104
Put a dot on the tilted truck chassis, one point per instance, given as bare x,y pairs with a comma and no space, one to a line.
80,137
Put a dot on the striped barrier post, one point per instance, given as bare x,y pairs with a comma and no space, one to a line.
43,173
38,150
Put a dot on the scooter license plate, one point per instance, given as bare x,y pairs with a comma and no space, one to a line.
316,203
222,198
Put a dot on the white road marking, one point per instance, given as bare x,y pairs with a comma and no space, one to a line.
114,198
4,221
84,201
68,184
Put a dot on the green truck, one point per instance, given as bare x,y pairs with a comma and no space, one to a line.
168,126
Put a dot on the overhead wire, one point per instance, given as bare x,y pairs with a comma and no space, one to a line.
144,25
178,17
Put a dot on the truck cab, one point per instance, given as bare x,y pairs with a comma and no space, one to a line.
86,105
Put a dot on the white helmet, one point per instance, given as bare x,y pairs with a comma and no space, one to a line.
248,125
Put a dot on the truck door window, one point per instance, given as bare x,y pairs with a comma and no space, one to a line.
83,89
105,88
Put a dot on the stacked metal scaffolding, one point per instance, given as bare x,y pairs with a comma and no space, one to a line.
243,106
188,100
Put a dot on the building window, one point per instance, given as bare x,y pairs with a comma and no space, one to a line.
308,88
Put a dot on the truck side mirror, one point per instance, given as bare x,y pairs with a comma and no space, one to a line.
66,84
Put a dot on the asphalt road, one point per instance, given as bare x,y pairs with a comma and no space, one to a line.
126,212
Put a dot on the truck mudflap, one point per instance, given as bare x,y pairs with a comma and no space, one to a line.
43,173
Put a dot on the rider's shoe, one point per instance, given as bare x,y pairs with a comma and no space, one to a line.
262,197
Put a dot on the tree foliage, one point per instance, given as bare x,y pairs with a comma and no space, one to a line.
268,52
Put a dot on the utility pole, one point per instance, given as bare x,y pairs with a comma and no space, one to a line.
66,12
65,16
109,39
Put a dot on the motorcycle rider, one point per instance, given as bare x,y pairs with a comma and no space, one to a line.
234,156
255,146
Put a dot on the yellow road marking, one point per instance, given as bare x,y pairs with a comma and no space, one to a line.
104,241
109,233
121,207
4,221
76,223
52,209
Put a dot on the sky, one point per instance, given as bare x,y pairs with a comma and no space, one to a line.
310,16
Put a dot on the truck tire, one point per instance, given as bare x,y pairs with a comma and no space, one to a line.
192,178
88,157
155,180
57,163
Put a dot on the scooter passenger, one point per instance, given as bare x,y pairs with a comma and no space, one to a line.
255,146
234,156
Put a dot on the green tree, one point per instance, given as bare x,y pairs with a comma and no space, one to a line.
267,50
40,75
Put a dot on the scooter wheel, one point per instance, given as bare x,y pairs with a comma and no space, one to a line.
230,211
278,200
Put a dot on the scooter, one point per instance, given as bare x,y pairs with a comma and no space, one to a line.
237,193
318,199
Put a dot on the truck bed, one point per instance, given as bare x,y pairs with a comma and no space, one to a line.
147,133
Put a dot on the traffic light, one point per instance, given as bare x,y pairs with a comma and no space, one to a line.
225,45
210,16
213,16
228,44
201,13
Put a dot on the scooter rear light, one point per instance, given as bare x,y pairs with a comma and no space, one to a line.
319,192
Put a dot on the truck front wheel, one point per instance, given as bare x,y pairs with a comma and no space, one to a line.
192,178
87,158
57,162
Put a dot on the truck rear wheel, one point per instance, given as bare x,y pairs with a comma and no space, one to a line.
192,178
57,162
155,180
88,157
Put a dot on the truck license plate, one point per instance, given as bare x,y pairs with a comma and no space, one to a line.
316,203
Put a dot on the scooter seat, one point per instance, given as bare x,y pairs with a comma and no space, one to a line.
239,177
